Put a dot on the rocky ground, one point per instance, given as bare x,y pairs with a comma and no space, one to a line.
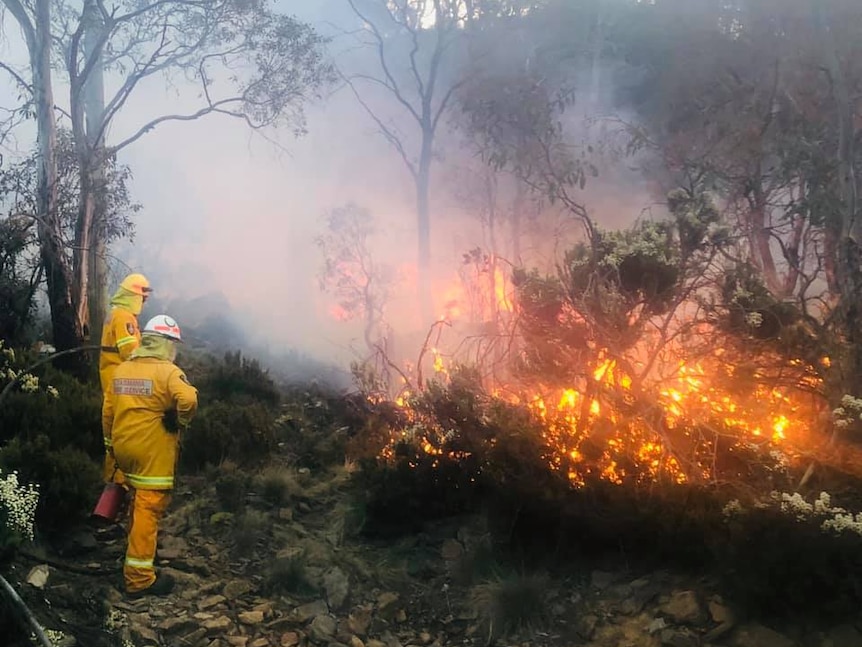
297,574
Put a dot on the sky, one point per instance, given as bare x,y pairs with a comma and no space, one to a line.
227,211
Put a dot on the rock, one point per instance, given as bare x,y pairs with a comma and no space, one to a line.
260,642
602,579
252,618
386,608
656,625
337,586
586,626
306,612
356,641
236,589
359,620
759,636
289,639
216,625
285,514
678,638
451,550
143,634
401,616
237,641
390,639
38,576
375,643
720,613
322,628
211,601
424,637
684,608
176,625
194,637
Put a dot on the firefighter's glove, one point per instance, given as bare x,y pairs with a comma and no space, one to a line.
171,421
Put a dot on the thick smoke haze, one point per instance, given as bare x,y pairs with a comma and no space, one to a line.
230,214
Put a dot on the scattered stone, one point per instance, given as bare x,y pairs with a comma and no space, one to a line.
451,550
176,625
236,589
356,641
260,642
425,638
719,612
237,641
684,608
760,636
322,628
144,634
359,620
306,612
211,601
375,643
38,576
285,514
289,639
586,627
216,625
401,616
252,618
656,625
678,638
194,637
602,579
386,602
337,587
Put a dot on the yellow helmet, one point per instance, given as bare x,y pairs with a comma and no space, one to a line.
137,284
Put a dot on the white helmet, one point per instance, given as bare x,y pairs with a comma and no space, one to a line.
165,326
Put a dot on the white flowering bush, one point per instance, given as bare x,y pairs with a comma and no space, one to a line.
10,370
17,511
848,413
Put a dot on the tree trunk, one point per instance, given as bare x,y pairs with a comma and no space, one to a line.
64,324
423,223
94,101
849,270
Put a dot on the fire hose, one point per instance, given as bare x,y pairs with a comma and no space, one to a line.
31,619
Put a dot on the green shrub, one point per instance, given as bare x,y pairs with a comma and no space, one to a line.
236,379
510,605
288,575
242,433
231,486
68,479
279,486
71,419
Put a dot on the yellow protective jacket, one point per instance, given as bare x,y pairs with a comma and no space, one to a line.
144,389
120,334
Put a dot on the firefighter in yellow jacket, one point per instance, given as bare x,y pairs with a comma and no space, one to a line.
151,403
120,336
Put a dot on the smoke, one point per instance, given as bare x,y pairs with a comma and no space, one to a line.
230,218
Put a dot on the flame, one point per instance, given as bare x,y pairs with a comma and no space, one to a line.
691,405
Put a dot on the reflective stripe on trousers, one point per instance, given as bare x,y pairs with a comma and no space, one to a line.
147,508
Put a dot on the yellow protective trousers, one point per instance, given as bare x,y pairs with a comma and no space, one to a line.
146,510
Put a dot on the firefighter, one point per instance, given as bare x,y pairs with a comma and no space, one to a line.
120,336
151,403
